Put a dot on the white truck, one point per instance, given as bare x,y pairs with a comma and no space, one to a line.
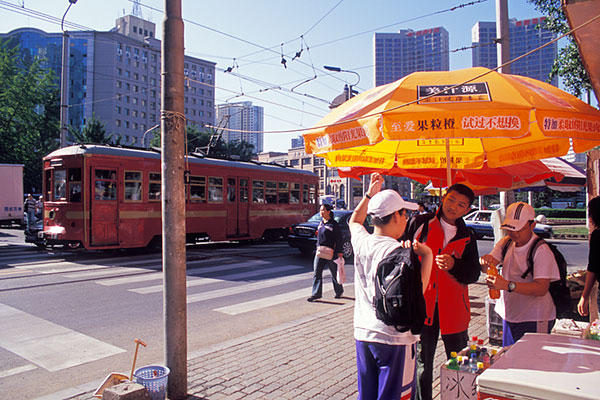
11,195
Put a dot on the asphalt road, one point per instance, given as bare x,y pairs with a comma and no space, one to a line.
71,318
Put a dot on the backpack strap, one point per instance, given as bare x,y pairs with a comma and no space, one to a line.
505,246
537,243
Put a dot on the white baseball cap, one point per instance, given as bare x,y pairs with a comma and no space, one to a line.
517,215
387,202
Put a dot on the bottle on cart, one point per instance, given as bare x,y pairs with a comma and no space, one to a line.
452,363
484,357
493,271
464,365
480,367
473,362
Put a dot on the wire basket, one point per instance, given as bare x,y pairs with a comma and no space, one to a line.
154,378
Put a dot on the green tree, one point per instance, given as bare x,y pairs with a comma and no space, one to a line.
93,132
567,65
29,113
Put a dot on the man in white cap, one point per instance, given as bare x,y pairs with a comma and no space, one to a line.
385,357
525,304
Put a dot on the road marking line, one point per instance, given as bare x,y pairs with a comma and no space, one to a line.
269,301
47,344
246,288
17,370
205,281
108,271
159,275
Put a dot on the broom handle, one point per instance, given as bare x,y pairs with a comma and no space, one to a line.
137,345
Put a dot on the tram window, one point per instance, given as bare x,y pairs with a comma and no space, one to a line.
313,195
215,189
271,192
243,190
105,174
198,188
231,190
295,193
258,192
106,190
60,184
283,192
305,194
48,182
153,186
133,186
74,185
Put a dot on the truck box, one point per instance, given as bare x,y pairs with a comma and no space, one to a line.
11,195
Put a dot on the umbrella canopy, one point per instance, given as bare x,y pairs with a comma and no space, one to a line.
493,120
554,173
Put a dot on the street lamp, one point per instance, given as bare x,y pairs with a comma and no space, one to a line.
349,94
64,77
148,131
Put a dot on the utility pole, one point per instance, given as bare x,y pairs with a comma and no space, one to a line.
503,52
173,200
64,79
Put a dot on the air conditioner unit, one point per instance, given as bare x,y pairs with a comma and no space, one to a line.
185,72
136,57
128,54
144,59
120,52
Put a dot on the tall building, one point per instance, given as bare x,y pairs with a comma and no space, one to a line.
525,36
399,54
244,122
115,77
297,142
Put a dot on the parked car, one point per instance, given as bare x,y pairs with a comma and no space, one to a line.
303,236
480,222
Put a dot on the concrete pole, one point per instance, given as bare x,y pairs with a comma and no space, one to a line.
64,89
173,200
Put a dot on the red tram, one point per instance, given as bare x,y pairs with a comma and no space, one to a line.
103,197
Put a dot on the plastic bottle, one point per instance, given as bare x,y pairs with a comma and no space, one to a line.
464,366
493,271
480,366
473,362
493,356
485,358
452,363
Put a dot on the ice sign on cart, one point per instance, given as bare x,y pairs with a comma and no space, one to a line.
469,92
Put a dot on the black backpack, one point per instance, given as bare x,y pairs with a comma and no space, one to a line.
561,295
399,300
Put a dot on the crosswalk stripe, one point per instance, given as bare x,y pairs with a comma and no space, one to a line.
246,288
205,281
159,275
17,370
108,271
265,302
47,344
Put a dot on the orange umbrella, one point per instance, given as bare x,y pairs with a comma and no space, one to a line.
436,120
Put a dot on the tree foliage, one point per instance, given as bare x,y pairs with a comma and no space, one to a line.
207,141
29,114
93,132
567,65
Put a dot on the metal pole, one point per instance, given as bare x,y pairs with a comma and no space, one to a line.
173,201
503,51
64,79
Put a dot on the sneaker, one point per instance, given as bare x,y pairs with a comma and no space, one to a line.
313,298
339,295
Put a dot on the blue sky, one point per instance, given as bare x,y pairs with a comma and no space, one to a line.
329,32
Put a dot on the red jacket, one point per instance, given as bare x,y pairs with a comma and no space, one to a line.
448,288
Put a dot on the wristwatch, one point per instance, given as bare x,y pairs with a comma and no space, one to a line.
367,196
511,286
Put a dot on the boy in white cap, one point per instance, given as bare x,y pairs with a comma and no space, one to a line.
525,304
385,357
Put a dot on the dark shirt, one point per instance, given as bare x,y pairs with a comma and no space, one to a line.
594,255
329,235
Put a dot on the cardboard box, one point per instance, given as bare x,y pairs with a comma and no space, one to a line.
457,385
569,327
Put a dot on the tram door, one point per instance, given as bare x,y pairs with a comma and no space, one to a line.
237,206
103,211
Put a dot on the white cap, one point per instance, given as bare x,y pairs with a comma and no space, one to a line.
517,215
387,202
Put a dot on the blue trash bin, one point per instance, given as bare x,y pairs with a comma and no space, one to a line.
154,378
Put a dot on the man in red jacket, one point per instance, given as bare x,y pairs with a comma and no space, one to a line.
456,264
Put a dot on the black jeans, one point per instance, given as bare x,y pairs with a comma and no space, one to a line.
429,337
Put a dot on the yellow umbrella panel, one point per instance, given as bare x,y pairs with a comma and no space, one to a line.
418,120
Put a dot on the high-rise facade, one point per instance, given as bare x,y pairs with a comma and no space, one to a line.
399,54
525,35
115,77
244,122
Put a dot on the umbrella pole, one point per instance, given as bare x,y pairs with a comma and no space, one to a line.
448,171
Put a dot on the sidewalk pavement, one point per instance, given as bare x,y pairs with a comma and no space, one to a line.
311,358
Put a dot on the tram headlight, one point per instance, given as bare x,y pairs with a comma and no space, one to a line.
56,230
